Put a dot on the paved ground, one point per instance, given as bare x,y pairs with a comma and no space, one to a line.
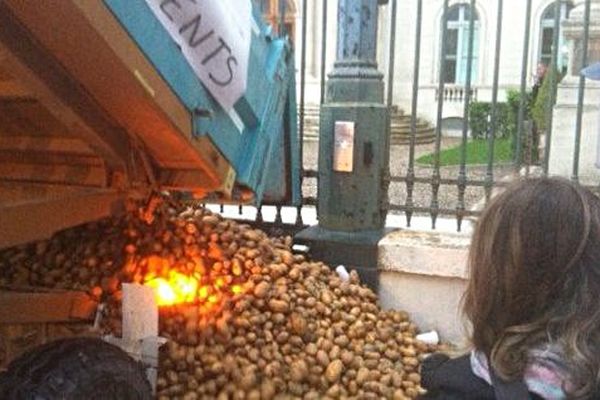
448,195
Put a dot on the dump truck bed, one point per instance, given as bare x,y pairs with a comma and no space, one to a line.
99,104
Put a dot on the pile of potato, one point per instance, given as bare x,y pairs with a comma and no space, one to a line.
291,328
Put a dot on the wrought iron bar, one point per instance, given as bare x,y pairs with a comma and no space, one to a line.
435,183
299,221
310,201
282,11
461,181
311,173
438,210
581,94
410,175
323,50
552,77
523,90
302,106
528,146
259,216
444,181
489,176
278,220
389,101
462,173
392,55
323,59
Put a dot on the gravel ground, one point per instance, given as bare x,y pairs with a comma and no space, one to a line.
447,196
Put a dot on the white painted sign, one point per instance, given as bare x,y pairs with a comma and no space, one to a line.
140,312
214,36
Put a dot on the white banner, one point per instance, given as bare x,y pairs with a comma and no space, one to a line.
214,36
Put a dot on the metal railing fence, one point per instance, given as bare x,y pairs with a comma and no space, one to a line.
455,179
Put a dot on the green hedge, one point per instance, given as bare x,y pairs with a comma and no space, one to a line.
541,107
507,116
480,118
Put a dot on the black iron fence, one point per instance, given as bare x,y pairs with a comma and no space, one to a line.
435,190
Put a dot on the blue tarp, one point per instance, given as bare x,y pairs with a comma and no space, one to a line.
592,72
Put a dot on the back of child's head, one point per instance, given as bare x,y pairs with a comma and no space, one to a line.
535,278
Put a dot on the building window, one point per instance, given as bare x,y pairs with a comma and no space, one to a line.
547,35
457,45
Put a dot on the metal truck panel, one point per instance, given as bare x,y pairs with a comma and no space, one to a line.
98,104
255,131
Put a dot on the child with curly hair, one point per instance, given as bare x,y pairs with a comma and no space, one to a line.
533,299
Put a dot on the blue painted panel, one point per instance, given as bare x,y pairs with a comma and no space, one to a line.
592,72
162,51
265,154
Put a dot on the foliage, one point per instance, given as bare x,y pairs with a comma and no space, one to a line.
506,118
541,106
477,153
513,100
480,114
478,119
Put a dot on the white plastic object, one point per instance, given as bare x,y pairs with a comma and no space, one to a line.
342,273
300,248
431,337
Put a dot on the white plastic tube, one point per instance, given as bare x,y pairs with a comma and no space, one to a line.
431,337
342,273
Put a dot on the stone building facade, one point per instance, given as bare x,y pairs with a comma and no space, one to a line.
321,41
455,64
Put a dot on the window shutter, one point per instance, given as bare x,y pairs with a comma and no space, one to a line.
464,56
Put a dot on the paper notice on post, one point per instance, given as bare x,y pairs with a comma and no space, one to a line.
343,146
214,37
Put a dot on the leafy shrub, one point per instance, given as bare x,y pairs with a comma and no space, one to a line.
508,117
513,100
478,119
480,114
541,107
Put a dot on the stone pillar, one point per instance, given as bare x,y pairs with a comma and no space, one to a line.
353,148
573,31
562,144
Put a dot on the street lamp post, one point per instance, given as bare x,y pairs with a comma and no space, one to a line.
353,149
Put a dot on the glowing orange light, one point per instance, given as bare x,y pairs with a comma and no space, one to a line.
203,292
177,289
186,286
172,287
165,295
236,289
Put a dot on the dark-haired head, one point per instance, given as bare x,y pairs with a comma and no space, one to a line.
535,278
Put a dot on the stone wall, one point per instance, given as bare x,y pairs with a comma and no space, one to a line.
562,144
424,273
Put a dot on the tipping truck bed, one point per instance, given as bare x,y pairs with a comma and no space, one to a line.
101,101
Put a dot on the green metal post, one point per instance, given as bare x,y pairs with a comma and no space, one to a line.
353,148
